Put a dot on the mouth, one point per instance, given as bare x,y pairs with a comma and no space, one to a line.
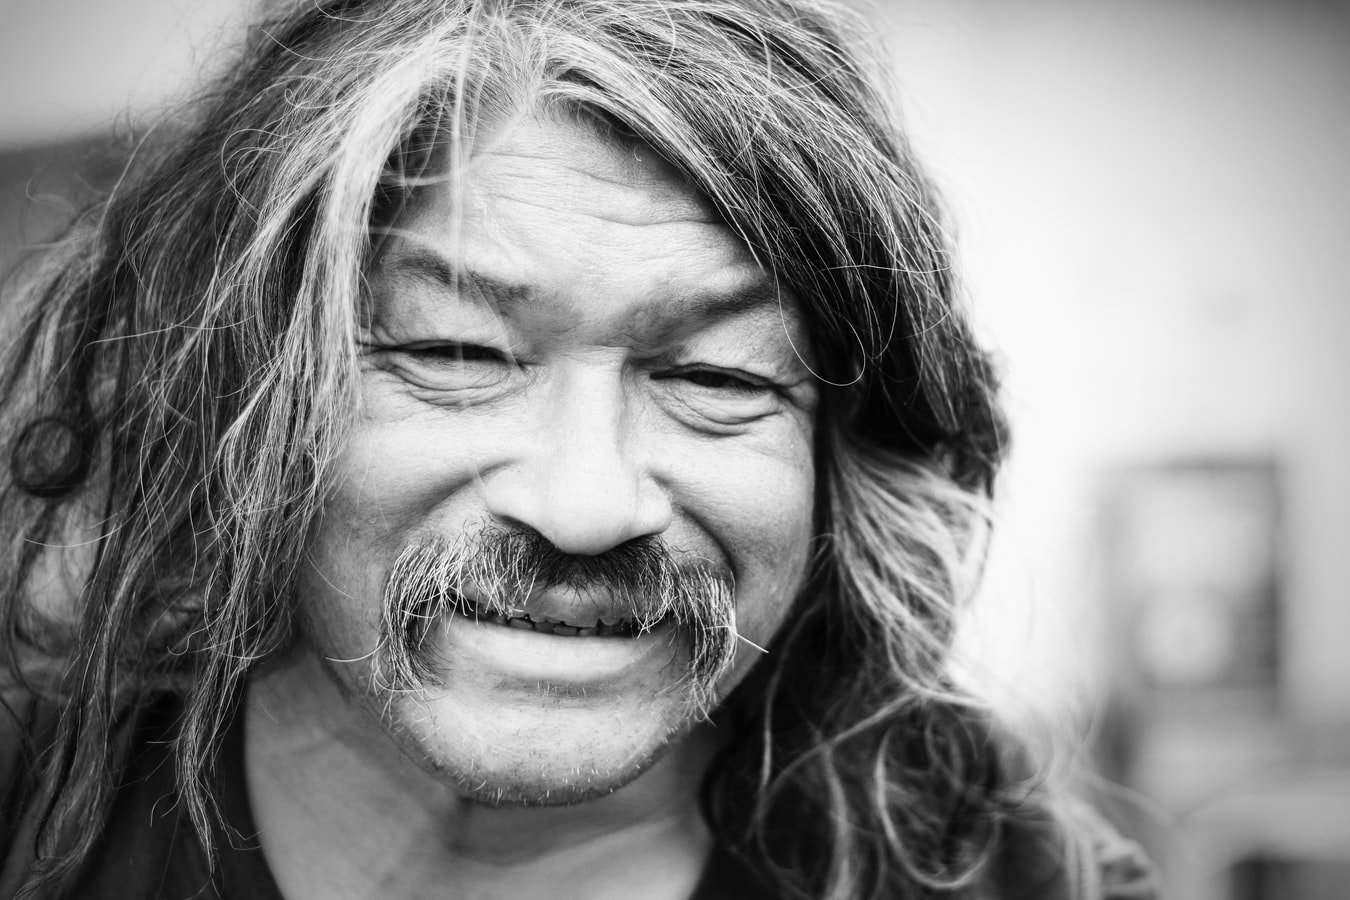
582,625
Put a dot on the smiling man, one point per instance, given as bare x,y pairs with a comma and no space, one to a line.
512,450
598,366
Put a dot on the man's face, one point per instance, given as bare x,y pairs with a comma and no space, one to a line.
583,351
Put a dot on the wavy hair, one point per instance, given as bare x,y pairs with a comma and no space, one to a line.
174,401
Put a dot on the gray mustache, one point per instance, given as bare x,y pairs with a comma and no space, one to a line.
642,579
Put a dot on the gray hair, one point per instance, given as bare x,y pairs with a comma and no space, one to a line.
185,379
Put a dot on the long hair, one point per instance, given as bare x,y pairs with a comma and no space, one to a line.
174,402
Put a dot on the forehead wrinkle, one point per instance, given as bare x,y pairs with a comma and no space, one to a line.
677,312
428,265
607,201
549,135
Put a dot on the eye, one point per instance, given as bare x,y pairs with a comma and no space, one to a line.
454,354
709,397
722,380
449,367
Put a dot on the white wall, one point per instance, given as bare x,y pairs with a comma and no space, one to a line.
1154,208
68,67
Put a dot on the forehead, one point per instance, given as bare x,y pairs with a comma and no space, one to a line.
574,157
558,208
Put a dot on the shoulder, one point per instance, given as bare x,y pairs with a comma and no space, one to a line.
1111,866
24,724
135,829
1070,852
14,707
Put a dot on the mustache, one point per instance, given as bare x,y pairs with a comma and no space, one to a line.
642,579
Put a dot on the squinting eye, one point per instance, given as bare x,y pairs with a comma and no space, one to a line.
708,397
454,353
450,367
719,380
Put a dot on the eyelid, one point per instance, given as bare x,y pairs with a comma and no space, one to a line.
750,378
468,351
470,372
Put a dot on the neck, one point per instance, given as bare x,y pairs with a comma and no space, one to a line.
342,812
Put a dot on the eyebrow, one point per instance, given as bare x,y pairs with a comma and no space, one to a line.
428,265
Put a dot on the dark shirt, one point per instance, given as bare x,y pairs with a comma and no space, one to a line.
149,850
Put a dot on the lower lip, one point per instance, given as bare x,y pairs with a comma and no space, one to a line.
534,657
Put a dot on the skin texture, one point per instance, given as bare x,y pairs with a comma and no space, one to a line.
581,349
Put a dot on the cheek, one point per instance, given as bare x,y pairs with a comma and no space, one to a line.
409,455
340,585
402,465
405,470
759,508
368,515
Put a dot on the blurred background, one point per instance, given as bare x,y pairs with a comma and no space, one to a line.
1153,205
1153,209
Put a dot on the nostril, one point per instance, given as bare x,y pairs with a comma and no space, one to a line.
585,511
581,478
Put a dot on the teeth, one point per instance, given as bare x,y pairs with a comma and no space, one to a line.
583,621
582,626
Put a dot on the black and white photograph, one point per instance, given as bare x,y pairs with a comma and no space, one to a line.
675,450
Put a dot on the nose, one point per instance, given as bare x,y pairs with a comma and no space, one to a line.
581,479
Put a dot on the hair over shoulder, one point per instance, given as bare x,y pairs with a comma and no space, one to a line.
183,379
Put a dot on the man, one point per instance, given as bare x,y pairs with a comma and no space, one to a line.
513,449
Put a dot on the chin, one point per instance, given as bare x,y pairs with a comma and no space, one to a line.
543,751
491,786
